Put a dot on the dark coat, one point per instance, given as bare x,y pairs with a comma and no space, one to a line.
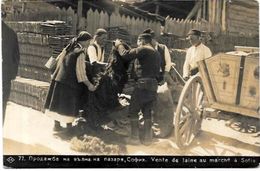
10,61
66,72
10,53
65,93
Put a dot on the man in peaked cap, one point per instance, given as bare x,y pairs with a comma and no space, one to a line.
162,121
197,52
145,92
166,59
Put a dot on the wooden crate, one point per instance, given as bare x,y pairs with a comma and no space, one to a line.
231,82
28,92
35,73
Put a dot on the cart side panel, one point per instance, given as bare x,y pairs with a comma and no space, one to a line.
223,70
250,84
207,87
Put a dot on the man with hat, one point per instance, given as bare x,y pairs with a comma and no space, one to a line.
197,52
166,58
162,118
145,92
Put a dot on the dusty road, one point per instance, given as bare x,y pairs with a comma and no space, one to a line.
27,131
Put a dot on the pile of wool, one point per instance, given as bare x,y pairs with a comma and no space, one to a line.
94,145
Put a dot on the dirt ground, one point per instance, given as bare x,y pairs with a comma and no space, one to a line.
27,131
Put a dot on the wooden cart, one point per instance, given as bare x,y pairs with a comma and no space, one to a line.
227,82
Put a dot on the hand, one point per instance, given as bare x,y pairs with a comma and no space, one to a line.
91,87
173,64
117,42
161,82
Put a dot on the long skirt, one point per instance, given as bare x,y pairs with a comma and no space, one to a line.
63,102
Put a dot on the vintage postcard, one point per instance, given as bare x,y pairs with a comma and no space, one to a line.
130,83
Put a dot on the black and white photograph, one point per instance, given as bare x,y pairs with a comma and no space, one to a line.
130,83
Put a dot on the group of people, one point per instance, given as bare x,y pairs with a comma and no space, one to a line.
83,58
72,78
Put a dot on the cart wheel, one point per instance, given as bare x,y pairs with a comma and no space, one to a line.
188,116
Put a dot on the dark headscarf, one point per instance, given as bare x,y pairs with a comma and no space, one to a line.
82,36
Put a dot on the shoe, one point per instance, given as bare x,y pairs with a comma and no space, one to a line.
57,127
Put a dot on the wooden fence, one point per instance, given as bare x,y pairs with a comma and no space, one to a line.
134,26
181,27
100,19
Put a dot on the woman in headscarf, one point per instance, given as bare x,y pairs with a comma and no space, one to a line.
68,83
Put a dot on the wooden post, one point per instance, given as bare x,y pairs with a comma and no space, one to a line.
218,11
79,15
213,11
157,9
23,7
210,11
194,10
204,9
198,17
224,17
117,10
80,8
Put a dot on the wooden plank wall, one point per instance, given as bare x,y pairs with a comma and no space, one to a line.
234,17
243,19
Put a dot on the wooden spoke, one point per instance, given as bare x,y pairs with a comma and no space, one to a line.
188,113
184,118
189,132
198,92
200,98
185,126
193,94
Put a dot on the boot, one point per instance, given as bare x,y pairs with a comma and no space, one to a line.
148,134
134,137
69,128
57,126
